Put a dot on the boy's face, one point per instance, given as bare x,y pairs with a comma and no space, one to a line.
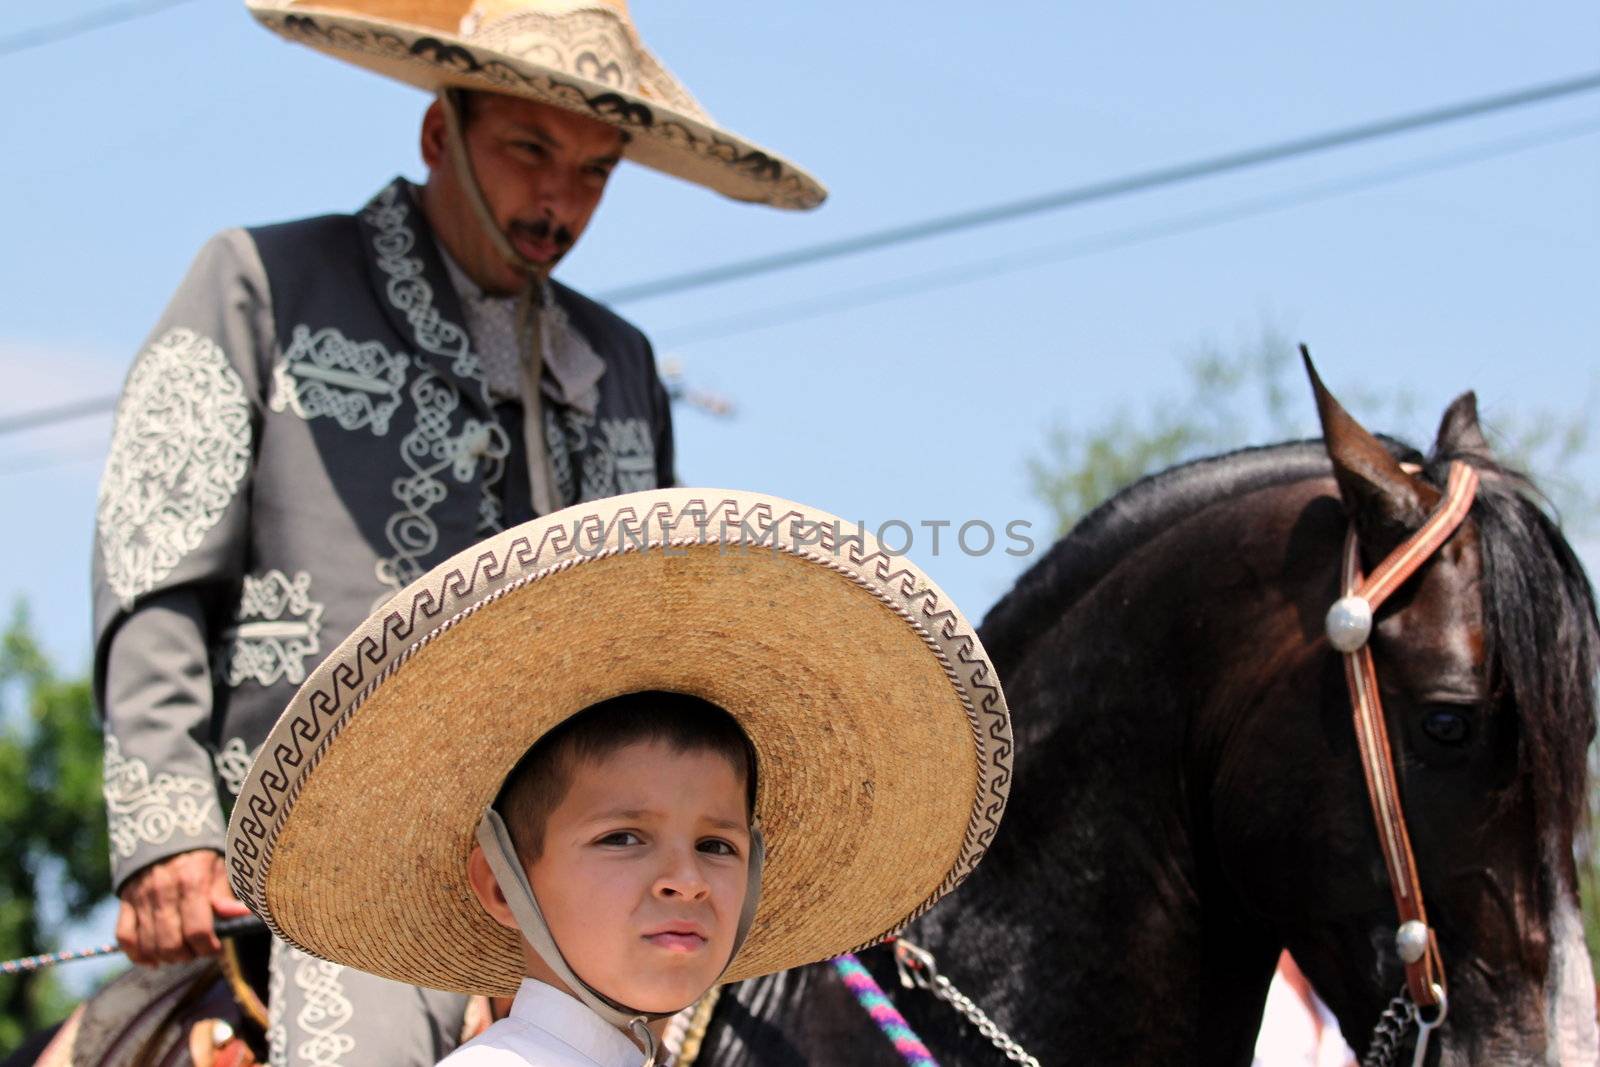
642,875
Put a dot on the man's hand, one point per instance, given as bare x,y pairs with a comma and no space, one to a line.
167,909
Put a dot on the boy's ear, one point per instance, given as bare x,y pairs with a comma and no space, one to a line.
487,889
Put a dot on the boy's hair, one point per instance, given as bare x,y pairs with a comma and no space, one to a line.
539,781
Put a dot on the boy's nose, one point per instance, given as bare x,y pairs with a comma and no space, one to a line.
682,878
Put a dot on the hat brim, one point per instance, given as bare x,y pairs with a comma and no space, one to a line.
659,136
882,739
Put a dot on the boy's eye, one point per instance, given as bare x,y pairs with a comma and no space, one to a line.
718,847
620,837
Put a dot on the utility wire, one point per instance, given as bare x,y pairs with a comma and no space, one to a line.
109,15
39,461
31,420
927,281
1106,190
964,220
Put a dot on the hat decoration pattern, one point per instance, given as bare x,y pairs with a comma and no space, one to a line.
582,55
655,521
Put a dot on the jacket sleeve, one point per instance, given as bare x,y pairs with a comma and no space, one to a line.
171,545
666,447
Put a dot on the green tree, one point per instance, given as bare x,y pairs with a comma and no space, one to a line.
54,864
1258,394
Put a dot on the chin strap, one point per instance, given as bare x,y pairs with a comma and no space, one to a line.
456,145
530,301
513,880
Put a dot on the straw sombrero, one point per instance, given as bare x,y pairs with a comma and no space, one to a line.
882,738
582,55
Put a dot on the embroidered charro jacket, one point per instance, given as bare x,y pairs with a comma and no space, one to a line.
309,428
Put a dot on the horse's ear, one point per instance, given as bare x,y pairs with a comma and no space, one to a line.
1383,501
1459,432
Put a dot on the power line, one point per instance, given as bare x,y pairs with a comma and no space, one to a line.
927,281
31,420
985,216
109,15
46,460
1106,190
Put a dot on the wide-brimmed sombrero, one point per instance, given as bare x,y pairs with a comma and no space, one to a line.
882,739
583,55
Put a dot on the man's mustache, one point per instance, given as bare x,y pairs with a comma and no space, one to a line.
545,230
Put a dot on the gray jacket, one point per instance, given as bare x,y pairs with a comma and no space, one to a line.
306,431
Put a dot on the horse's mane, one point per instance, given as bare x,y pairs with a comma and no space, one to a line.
1539,608
1127,520
1543,639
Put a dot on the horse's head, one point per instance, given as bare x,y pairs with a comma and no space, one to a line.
1486,661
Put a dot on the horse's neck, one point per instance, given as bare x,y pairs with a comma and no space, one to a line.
1103,897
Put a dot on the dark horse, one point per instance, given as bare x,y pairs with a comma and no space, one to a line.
1188,800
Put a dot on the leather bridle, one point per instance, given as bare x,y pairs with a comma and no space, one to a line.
1349,626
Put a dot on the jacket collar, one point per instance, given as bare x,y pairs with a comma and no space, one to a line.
414,289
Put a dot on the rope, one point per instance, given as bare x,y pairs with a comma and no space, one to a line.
50,959
870,995
226,928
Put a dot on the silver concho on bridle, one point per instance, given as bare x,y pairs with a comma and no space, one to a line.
1349,623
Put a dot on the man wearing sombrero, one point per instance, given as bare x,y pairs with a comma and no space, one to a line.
614,756
329,407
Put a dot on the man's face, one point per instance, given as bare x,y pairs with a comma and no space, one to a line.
542,170
642,874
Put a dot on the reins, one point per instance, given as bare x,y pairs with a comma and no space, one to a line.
918,970
876,1003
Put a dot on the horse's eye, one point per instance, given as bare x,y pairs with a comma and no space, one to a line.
1446,727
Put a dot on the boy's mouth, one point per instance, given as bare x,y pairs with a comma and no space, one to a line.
677,937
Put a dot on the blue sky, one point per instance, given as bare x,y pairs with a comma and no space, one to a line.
129,145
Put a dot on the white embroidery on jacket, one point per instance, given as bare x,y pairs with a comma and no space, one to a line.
180,450
233,762
149,811
566,433
491,515
324,1011
275,630
624,460
277,984
356,383
430,449
616,455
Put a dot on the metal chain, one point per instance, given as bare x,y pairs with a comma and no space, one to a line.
1393,1025
917,970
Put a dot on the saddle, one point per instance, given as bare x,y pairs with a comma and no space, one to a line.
207,1013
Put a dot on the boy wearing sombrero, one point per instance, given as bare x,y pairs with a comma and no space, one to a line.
330,407
615,756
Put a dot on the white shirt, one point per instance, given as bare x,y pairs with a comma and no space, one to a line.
547,1028
1299,1032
